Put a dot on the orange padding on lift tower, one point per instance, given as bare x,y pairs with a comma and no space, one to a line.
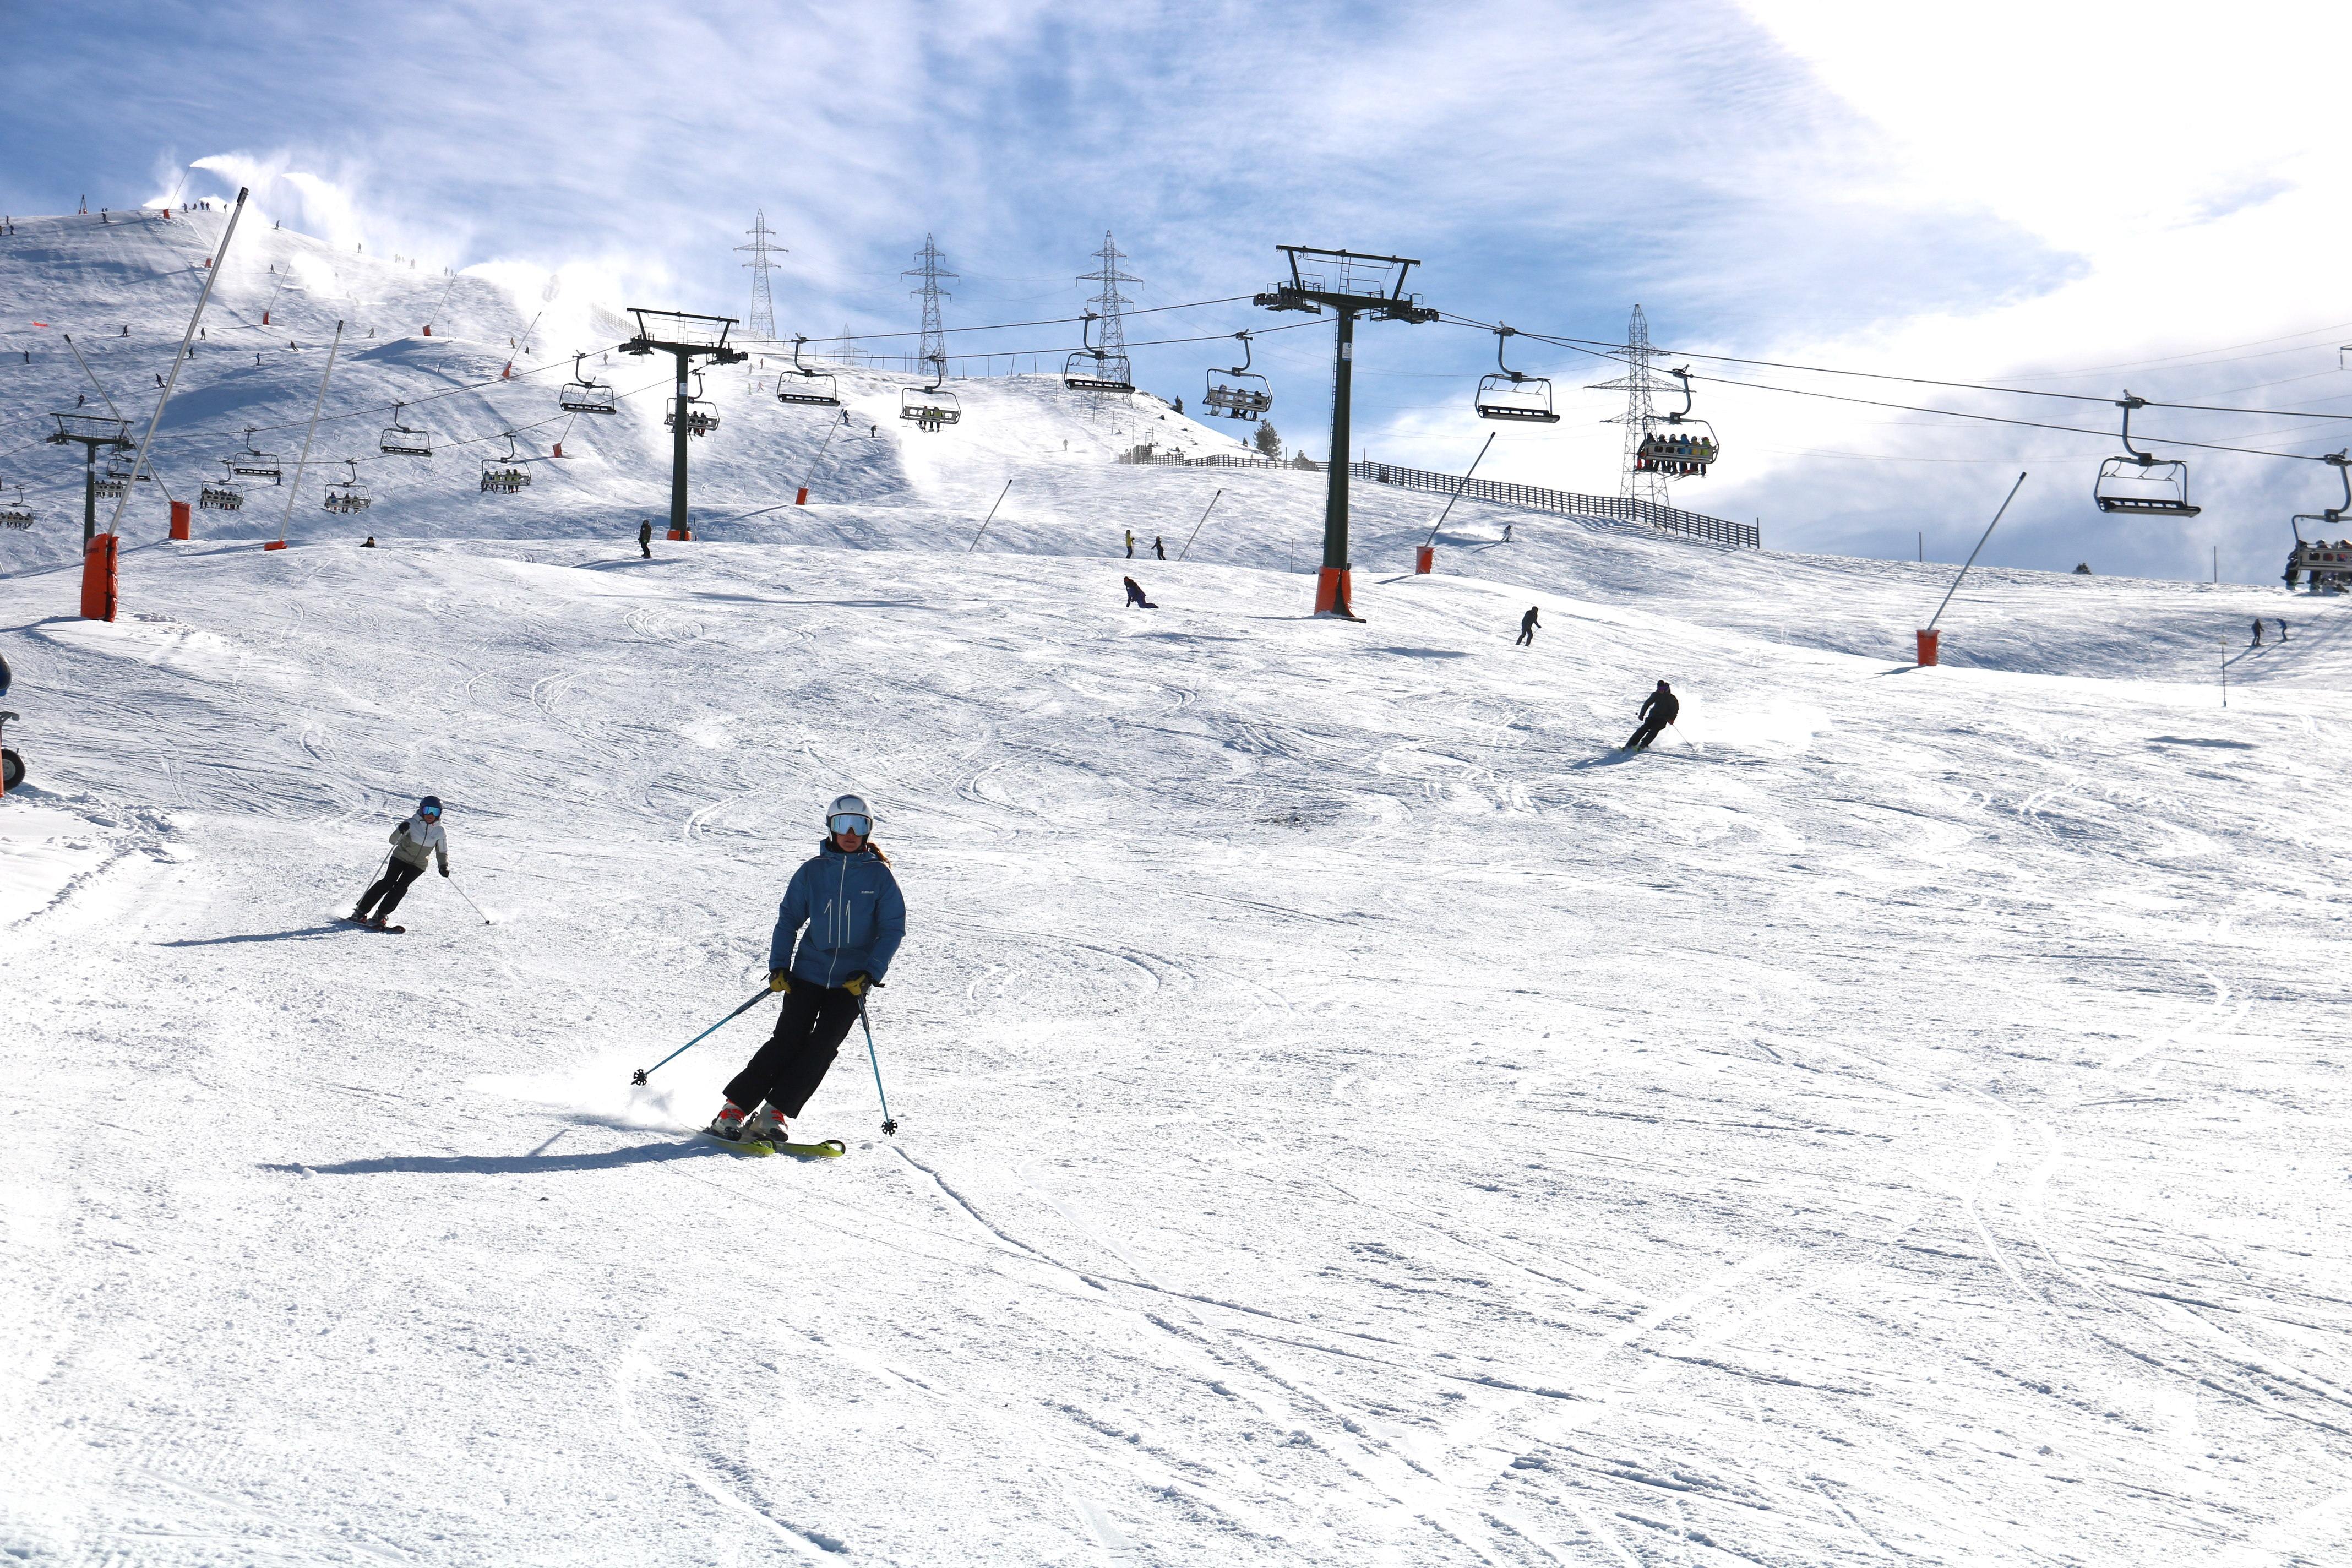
275,544
178,520
98,579
681,534
802,498
1928,646
1424,559
1333,595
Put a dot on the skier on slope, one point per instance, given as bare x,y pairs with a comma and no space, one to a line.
1658,710
645,537
1135,599
1157,548
856,918
1527,625
414,843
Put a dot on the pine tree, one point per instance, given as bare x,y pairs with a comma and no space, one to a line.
1268,441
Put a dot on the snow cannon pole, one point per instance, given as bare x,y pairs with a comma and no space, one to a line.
889,1122
990,517
1431,540
212,276
303,461
1205,518
1972,554
810,477
638,1076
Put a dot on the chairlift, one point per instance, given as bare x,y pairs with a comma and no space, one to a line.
403,441
1508,393
814,389
253,464
701,419
1684,448
1102,372
348,495
1238,392
110,484
584,394
505,475
2140,482
16,513
930,407
221,495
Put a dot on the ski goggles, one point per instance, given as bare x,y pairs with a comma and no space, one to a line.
431,813
850,822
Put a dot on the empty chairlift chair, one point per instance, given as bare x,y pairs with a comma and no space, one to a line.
2142,482
403,440
347,495
1508,393
221,495
930,407
584,394
1238,392
806,388
504,476
252,464
1092,369
1684,448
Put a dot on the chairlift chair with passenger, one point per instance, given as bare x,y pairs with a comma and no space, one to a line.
115,480
505,475
1508,393
2141,483
702,418
1686,446
1101,372
806,388
221,495
1238,392
348,495
253,464
584,394
16,513
930,407
402,440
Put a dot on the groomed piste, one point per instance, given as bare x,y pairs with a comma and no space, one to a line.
1349,1111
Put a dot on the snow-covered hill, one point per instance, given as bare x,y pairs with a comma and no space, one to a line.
1351,1112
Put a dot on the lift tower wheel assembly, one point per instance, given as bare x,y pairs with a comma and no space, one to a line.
1350,284
686,337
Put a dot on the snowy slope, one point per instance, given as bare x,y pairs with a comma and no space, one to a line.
1350,1113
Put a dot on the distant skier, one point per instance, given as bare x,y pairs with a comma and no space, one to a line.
1506,534
856,918
1130,544
414,843
368,542
2258,631
1135,599
645,537
1157,548
1527,625
2281,629
1658,710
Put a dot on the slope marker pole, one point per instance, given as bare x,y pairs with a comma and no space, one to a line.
989,519
1205,518
212,276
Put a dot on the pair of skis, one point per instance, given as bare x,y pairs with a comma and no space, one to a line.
760,1148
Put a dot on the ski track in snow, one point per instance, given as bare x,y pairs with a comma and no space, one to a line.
1351,1113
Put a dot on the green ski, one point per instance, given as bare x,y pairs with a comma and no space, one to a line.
831,1149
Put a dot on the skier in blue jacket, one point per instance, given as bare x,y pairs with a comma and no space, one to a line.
855,918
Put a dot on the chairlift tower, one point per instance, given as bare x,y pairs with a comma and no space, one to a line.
1111,370
762,324
934,347
1639,386
91,432
687,338
1350,284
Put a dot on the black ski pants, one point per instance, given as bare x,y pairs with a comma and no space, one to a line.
1652,728
809,1032
390,887
1526,637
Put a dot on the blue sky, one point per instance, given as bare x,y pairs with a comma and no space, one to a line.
2123,203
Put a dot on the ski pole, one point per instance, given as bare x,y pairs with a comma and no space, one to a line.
889,1124
378,877
638,1076
470,901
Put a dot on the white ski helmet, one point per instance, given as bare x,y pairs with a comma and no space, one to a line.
849,805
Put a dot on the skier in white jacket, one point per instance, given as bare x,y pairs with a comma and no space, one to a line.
414,843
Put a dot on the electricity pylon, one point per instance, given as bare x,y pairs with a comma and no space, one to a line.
762,324
1638,383
927,268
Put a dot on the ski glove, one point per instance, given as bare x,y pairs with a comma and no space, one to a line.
856,984
780,980
445,870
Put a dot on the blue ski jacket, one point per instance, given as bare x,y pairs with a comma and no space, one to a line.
855,915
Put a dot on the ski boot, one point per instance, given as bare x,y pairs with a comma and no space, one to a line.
765,1126
375,923
728,1124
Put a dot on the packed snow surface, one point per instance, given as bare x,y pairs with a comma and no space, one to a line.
1351,1112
